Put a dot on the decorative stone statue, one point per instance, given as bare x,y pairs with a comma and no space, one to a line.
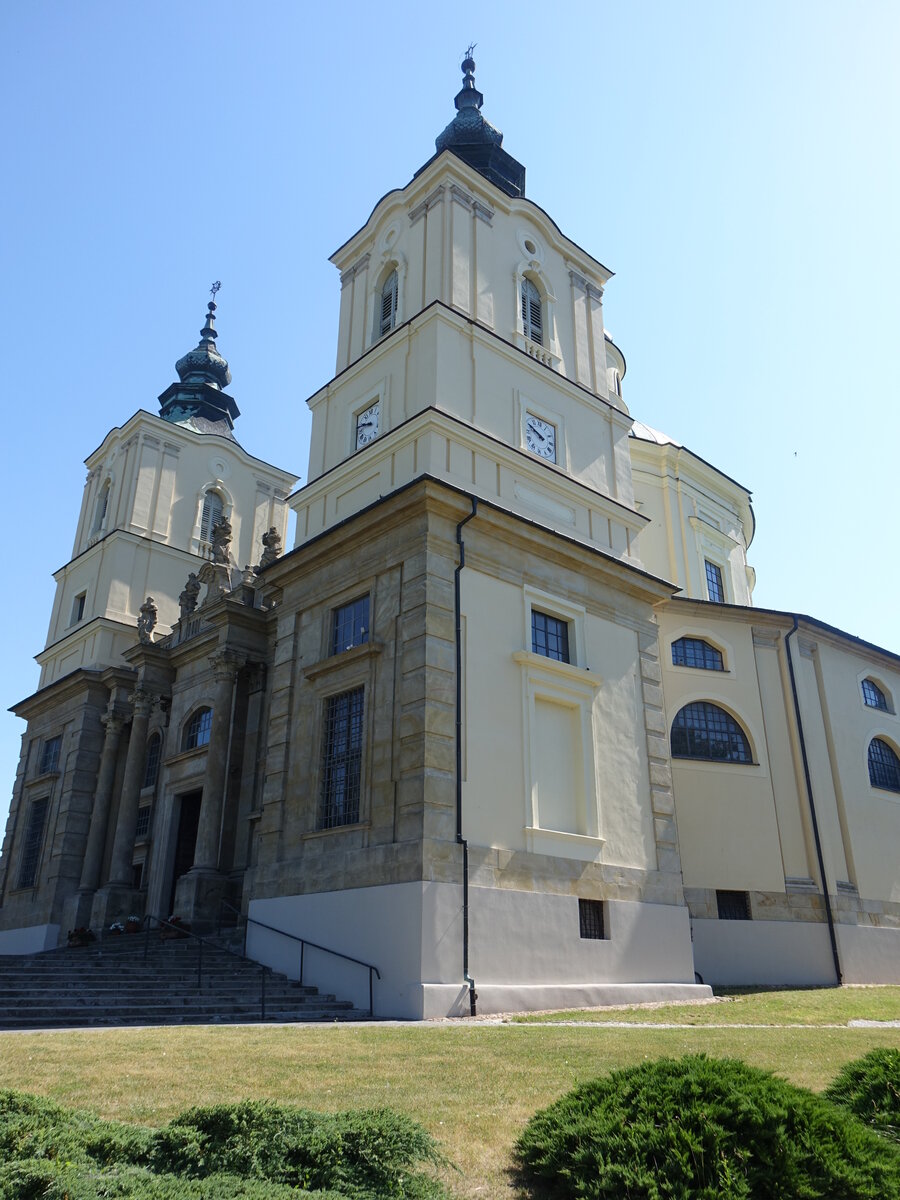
147,621
221,540
188,598
272,548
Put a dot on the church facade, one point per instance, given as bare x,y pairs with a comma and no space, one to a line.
504,722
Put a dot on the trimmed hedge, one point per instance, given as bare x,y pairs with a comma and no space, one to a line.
700,1128
254,1150
870,1088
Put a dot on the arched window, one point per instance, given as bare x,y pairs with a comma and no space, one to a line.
198,729
102,505
884,766
695,652
151,769
704,730
532,313
873,696
211,514
387,316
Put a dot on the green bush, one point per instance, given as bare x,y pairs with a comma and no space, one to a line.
699,1128
254,1150
870,1087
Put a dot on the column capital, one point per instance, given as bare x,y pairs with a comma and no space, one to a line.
114,721
142,701
226,664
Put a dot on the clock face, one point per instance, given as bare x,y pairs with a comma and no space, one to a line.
540,437
367,426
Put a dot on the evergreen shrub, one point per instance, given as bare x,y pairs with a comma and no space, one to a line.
870,1088
699,1128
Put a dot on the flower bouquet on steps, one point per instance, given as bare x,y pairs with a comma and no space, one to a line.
82,936
133,924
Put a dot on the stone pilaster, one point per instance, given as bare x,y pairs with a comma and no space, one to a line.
225,664
662,797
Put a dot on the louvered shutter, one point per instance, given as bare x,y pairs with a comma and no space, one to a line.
212,512
388,304
532,314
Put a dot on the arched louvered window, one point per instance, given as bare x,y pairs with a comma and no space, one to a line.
532,313
102,505
884,766
151,769
873,696
704,730
695,652
387,317
198,729
211,514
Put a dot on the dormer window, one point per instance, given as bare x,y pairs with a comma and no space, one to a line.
211,515
388,312
532,313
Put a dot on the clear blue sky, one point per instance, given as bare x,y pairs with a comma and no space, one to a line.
736,165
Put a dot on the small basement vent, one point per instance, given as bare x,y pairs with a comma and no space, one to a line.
733,906
590,919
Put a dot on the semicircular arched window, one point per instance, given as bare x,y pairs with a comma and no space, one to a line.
151,769
211,514
703,730
198,729
873,696
387,314
532,312
884,766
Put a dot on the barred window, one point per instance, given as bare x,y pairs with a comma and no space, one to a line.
884,766
532,313
143,822
549,636
733,906
34,836
151,770
198,730
695,652
715,588
704,730
350,625
342,759
873,696
590,919
387,317
50,755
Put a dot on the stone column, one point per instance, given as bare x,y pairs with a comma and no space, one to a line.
96,841
225,664
135,765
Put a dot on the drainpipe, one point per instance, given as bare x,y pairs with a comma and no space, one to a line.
460,840
829,915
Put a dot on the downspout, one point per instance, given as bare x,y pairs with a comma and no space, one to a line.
829,915
460,840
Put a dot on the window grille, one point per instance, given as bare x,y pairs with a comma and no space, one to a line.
199,729
50,755
388,314
549,636
733,906
590,919
873,696
211,515
350,625
532,313
143,823
34,835
342,759
695,652
704,730
151,770
715,588
884,766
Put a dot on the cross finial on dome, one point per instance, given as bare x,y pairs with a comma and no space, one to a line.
469,95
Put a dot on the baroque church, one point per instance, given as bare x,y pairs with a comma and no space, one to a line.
504,722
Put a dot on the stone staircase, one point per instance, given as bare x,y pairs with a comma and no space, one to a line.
112,983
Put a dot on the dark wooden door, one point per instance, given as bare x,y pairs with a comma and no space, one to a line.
186,842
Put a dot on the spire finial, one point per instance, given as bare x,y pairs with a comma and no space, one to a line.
214,289
469,95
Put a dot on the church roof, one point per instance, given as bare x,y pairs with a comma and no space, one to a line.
198,401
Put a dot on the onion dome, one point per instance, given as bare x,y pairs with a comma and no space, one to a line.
205,364
471,137
198,401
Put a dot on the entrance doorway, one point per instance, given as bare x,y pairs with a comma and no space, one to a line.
186,841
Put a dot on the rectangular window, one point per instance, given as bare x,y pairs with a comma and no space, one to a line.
34,835
78,607
143,823
549,636
350,625
590,919
733,906
715,588
50,755
342,759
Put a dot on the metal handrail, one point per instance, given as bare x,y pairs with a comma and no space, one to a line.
183,931
304,942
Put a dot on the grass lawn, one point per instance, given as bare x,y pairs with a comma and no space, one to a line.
473,1087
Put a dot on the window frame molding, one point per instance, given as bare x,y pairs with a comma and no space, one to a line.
891,742
391,260
214,485
548,351
564,610
183,748
723,646
710,697
878,681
